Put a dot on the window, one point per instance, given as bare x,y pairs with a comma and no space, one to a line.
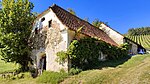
42,19
36,30
49,23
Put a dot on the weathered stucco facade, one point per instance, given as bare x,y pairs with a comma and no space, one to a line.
51,38
117,37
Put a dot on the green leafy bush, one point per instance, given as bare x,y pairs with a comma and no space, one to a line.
52,77
74,71
61,56
85,53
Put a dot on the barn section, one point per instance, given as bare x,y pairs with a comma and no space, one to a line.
53,31
134,47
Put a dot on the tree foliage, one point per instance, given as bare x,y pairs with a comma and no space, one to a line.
139,31
15,26
0,5
71,11
97,23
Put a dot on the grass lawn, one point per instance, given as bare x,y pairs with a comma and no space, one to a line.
6,67
26,80
134,71
10,67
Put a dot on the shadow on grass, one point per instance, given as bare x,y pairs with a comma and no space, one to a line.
109,63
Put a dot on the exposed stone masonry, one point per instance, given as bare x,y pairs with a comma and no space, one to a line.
38,40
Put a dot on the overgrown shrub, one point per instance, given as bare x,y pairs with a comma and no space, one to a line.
52,77
85,53
74,71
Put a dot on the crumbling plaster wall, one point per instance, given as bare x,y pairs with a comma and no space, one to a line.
50,40
55,42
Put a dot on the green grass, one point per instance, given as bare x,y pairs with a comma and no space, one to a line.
134,71
52,77
27,79
7,67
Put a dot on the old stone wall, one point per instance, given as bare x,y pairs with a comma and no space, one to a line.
54,43
49,41
38,45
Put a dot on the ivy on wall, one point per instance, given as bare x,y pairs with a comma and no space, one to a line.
85,53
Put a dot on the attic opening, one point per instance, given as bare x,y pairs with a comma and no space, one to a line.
42,19
36,30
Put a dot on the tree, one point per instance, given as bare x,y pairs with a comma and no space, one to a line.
138,31
97,23
15,27
71,11
86,19
0,5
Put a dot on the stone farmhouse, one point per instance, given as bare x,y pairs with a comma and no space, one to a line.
55,28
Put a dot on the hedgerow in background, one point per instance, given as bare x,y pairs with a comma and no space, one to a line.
138,31
16,20
84,53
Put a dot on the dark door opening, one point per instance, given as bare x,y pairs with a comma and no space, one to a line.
42,63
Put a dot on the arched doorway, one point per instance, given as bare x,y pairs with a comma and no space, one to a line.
41,61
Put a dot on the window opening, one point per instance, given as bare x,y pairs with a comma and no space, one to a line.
42,19
49,23
36,30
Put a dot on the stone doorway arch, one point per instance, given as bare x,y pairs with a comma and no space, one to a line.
41,61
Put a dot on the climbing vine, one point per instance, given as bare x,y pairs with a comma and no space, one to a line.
85,53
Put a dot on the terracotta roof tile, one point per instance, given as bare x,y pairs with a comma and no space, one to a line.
74,23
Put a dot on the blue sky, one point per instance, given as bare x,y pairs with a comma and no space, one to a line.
120,14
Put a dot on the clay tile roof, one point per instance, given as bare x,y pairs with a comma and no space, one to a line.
74,23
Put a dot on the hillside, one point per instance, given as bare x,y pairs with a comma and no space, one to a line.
135,71
143,40
140,35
